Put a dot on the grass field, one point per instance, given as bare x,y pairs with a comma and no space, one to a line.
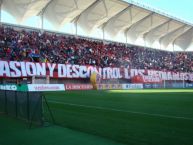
133,117
15,132
137,117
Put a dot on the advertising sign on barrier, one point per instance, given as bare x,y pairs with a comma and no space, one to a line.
157,86
146,79
8,87
46,87
78,86
148,86
189,85
177,85
109,86
132,86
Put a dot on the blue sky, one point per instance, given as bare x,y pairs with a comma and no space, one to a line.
182,9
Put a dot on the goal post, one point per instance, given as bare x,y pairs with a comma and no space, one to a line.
41,79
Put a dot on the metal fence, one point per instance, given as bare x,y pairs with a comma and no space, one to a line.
23,105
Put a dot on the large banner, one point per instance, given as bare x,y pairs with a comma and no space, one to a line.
28,69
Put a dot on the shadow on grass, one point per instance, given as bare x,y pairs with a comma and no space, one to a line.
16,132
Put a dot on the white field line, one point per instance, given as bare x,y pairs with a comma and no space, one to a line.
126,111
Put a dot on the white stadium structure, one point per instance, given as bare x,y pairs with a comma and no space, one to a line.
113,20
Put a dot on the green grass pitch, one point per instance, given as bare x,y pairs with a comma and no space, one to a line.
133,117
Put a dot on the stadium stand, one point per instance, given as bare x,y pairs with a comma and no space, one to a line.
95,84
30,45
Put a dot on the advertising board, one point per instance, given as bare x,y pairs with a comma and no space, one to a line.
132,86
46,87
78,86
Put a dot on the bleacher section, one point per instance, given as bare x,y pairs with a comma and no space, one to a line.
29,45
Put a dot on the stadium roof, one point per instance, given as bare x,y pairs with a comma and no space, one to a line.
113,17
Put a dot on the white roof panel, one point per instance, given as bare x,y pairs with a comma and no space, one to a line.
60,12
169,38
156,33
185,40
23,9
144,26
99,13
125,19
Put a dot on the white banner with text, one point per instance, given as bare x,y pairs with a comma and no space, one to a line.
15,69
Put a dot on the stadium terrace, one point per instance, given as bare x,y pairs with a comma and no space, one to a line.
94,72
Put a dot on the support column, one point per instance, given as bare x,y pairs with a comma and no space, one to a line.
1,2
42,21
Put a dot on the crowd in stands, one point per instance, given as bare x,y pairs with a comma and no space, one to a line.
32,45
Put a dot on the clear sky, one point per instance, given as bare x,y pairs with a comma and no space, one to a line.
182,9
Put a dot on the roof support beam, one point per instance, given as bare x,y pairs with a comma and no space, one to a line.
136,24
189,30
157,27
154,29
105,5
150,15
117,15
77,17
182,34
171,33
1,2
42,14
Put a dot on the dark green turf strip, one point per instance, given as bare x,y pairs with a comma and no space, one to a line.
14,132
